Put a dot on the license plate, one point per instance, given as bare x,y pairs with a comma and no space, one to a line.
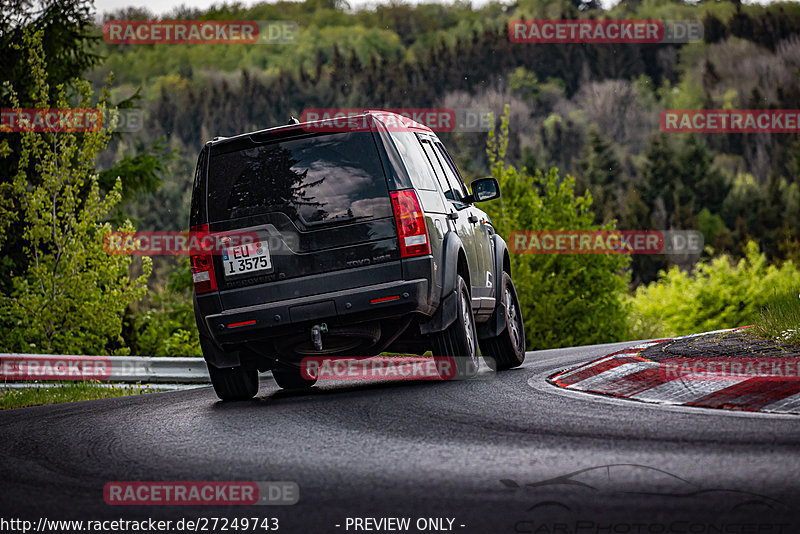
243,259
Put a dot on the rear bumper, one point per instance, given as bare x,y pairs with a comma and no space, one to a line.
378,301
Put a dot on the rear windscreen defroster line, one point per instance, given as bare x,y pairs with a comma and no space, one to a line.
313,180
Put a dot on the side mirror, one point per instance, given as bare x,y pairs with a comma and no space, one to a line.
485,189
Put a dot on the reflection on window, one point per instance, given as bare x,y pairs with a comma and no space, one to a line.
416,163
316,179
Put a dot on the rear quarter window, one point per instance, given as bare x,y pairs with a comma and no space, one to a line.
414,158
195,210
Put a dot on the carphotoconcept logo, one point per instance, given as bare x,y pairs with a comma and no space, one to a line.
609,31
437,119
565,503
730,121
179,493
68,120
606,242
200,32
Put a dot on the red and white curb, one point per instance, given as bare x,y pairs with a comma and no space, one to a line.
625,374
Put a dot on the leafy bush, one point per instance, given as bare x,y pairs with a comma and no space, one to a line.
566,300
68,295
717,293
166,327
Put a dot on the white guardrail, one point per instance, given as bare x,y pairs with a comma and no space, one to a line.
15,368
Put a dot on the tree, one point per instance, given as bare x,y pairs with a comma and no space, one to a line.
636,216
71,296
708,185
566,300
601,173
524,83
683,176
68,35
659,174
714,29
67,32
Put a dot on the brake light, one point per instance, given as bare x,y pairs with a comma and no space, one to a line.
411,229
202,264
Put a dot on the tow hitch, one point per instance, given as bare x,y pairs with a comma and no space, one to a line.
316,335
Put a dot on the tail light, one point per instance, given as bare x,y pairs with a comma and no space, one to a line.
203,263
411,227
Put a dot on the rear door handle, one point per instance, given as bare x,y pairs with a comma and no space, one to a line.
453,215
473,219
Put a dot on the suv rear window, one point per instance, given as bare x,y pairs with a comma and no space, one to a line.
316,179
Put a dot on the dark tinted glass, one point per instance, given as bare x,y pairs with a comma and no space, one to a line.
416,163
197,189
315,180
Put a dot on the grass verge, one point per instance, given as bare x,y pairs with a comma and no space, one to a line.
40,395
780,320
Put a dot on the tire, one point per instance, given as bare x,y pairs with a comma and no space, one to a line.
234,383
291,378
507,350
457,346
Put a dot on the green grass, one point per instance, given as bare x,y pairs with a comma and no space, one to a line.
780,320
64,392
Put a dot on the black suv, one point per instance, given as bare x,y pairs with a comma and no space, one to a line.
365,240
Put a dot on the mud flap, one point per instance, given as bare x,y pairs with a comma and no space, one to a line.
445,316
497,320
496,323
217,357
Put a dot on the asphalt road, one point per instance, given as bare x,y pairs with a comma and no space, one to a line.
502,453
